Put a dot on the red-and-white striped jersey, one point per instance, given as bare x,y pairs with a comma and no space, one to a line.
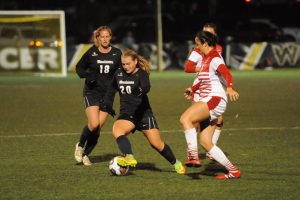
212,76
195,59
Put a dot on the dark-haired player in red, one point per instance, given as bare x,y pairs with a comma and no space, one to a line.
215,83
192,65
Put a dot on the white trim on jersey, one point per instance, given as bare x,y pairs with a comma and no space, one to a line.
195,57
217,62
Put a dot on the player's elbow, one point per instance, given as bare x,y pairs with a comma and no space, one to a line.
189,69
79,72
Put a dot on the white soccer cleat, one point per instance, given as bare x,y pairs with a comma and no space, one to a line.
86,161
78,153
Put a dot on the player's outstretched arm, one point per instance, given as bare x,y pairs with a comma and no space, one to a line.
233,95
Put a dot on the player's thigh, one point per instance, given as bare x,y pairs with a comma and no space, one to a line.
196,112
102,118
122,127
92,113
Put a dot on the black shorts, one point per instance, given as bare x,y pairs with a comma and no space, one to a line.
208,122
146,122
93,98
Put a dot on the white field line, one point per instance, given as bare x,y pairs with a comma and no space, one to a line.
20,86
163,131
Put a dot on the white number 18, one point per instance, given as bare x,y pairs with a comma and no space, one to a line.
104,69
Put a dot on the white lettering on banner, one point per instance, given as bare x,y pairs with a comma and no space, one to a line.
288,53
27,59
8,58
48,57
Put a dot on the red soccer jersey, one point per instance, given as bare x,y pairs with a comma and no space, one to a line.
196,58
212,76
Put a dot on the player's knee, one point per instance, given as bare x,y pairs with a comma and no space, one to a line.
183,120
117,132
93,126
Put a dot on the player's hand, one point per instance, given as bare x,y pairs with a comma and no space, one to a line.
188,93
137,91
233,95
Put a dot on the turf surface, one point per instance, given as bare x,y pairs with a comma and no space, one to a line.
41,119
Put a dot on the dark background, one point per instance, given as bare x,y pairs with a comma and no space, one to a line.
187,16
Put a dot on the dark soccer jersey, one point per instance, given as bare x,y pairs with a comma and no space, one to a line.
133,89
99,66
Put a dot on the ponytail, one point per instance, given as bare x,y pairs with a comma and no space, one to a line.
142,63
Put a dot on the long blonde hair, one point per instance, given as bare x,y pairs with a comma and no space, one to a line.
96,34
141,61
102,28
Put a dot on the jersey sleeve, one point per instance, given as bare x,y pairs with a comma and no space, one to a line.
145,85
195,87
118,61
82,67
193,60
221,68
219,49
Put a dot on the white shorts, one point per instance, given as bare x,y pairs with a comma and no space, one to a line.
217,106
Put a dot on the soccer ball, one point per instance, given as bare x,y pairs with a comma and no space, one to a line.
116,169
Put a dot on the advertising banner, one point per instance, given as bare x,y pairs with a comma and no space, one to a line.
263,55
33,41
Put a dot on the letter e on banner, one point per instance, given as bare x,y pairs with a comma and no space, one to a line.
26,59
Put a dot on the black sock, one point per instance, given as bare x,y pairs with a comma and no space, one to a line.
124,144
168,154
84,136
92,141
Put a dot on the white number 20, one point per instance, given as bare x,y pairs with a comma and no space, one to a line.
125,89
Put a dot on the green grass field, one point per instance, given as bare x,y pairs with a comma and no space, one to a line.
41,119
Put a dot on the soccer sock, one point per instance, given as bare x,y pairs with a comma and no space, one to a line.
219,156
124,144
216,136
92,141
167,153
84,136
191,139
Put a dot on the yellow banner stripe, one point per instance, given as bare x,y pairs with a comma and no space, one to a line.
80,50
253,56
26,19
